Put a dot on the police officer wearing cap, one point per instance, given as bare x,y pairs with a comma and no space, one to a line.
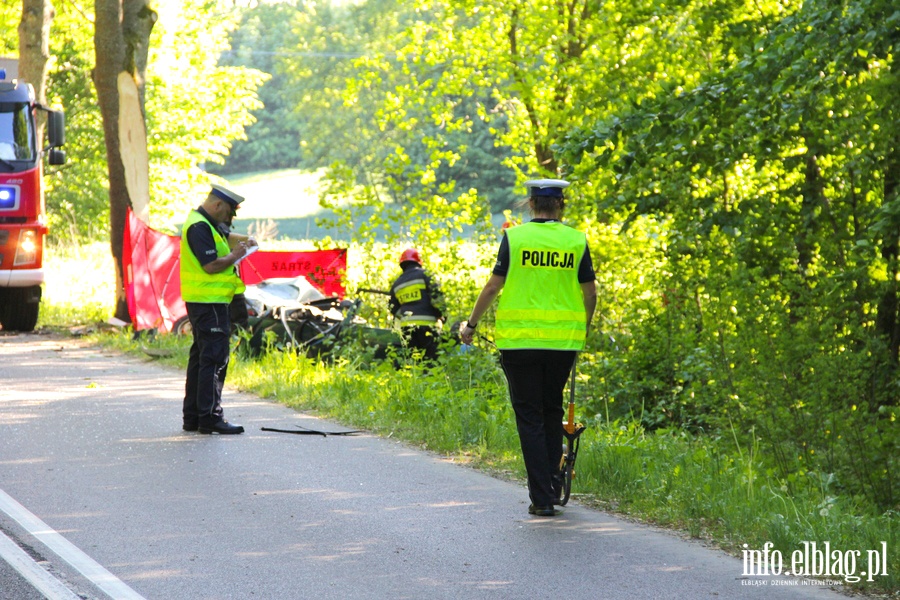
209,281
414,302
549,295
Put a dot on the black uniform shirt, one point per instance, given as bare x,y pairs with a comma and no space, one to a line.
428,304
585,267
201,241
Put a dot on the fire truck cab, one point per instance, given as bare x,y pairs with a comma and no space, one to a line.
22,214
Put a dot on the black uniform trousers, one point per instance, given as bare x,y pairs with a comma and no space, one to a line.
422,337
536,381
207,363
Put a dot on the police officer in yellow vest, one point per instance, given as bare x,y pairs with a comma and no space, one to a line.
209,281
545,271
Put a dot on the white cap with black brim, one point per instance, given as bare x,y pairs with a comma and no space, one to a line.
546,187
227,195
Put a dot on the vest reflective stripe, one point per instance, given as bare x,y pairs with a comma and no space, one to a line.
548,336
541,306
410,291
418,320
196,284
541,314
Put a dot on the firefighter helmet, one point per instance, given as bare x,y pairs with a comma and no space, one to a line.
411,255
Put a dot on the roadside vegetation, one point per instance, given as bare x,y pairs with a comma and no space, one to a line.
79,288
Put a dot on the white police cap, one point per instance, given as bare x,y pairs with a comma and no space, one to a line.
546,187
227,195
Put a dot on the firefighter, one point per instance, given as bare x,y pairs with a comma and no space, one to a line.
415,302
549,294
209,281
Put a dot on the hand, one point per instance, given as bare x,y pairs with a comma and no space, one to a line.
240,250
252,242
466,333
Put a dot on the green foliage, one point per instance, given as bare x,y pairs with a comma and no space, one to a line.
703,486
182,75
735,172
194,106
768,173
263,39
10,12
353,94
375,266
77,192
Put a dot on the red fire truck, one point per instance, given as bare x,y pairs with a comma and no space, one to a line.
22,220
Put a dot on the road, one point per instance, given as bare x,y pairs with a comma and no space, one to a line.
109,498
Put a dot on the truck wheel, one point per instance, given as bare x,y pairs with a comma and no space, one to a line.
20,311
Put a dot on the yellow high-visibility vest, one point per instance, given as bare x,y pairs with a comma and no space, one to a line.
196,284
542,306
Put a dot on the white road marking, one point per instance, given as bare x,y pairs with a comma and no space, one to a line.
84,564
40,579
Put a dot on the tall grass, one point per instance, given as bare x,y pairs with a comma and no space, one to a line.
79,288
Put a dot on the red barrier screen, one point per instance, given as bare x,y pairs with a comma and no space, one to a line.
153,283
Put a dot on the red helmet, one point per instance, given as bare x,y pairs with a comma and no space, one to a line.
411,255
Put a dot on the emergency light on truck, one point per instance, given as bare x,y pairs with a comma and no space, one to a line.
9,197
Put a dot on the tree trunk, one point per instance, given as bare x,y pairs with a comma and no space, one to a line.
805,239
121,43
34,49
887,322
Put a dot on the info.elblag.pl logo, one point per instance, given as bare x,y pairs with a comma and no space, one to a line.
817,560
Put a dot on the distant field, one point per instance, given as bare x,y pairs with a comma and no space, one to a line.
283,194
290,197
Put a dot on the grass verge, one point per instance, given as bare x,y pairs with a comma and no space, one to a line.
79,288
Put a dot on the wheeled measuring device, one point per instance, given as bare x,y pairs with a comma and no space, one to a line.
571,435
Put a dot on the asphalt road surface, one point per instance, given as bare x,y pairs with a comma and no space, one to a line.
103,496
